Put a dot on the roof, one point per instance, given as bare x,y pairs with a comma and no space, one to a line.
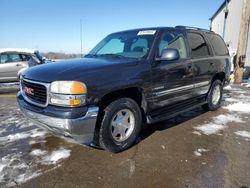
178,27
220,9
19,50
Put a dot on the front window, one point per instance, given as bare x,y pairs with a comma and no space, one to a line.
173,39
131,44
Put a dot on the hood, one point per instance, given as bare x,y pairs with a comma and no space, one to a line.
73,69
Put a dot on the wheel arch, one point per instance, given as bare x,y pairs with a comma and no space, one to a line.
135,93
219,76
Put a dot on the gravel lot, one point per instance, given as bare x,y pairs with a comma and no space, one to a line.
195,149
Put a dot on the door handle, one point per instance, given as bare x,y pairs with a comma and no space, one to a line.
18,65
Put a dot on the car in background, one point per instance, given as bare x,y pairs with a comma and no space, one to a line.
14,61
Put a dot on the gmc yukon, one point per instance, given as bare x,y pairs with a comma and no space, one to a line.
130,77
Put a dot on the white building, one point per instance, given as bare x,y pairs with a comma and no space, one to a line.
226,21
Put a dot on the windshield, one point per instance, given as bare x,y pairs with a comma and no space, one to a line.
131,44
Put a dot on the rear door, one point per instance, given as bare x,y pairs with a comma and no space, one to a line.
172,81
203,62
10,64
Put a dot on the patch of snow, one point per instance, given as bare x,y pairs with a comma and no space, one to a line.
224,119
25,177
199,152
239,107
197,132
228,87
231,100
56,156
2,166
246,85
14,137
38,152
202,150
219,123
210,128
244,134
163,147
37,133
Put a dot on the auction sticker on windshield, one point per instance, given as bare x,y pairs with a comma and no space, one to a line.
147,32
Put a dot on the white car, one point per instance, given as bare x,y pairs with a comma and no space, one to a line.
14,61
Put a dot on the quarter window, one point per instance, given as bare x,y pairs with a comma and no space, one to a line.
173,40
198,45
218,44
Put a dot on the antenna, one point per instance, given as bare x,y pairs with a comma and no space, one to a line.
81,35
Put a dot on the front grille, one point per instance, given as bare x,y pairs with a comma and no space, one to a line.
37,94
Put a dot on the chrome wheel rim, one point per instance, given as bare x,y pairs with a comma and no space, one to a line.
216,95
122,125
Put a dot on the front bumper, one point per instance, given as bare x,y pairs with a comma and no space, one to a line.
81,128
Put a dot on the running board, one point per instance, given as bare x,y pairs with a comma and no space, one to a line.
175,109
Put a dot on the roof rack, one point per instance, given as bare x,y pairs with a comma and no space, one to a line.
192,28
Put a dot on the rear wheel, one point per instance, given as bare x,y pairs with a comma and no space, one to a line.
214,96
120,126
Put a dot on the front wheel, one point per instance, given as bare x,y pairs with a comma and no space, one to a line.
214,96
121,125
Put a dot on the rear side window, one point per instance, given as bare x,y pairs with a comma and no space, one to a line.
198,45
218,44
10,58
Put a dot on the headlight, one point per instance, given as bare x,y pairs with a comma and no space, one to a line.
68,93
68,87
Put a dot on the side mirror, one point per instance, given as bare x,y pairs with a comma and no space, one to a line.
169,54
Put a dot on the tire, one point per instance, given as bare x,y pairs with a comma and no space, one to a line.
214,96
120,125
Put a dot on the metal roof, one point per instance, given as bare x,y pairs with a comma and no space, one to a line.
220,9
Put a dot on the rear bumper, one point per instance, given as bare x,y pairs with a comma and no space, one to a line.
80,128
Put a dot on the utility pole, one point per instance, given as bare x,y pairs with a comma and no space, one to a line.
242,44
225,19
81,35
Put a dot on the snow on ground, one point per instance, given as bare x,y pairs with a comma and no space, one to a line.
228,87
239,107
244,134
217,124
236,106
19,161
55,156
199,152
209,128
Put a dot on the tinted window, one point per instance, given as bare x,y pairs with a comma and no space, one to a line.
173,40
198,45
218,44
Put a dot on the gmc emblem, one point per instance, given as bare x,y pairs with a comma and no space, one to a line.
28,90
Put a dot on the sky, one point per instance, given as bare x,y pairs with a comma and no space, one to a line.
54,25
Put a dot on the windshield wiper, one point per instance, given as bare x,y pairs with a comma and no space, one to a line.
111,55
91,55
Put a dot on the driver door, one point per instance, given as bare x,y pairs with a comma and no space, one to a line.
172,81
